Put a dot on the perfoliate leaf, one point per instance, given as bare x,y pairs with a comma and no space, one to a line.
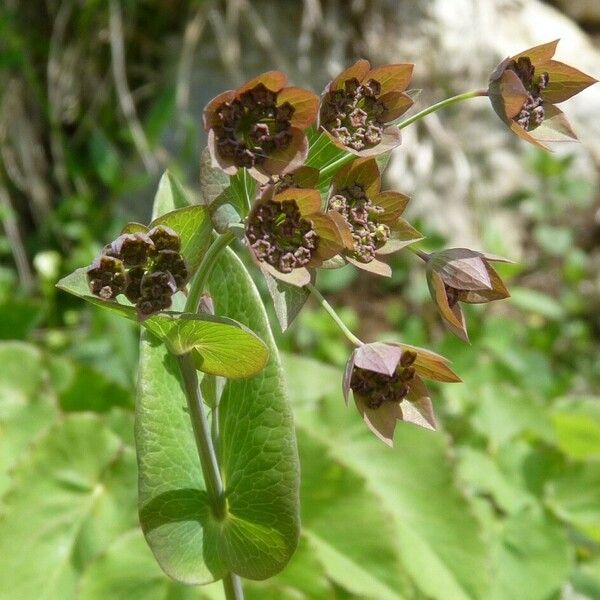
257,455
220,346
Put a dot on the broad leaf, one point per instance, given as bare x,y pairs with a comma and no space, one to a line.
436,537
128,571
70,496
169,196
221,346
27,407
257,452
288,299
575,497
532,558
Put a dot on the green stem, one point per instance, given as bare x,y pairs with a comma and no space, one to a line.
232,585
205,442
324,304
335,165
209,260
443,104
206,450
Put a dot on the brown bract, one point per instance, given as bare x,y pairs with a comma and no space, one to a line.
288,234
524,90
373,217
462,275
359,105
260,126
387,386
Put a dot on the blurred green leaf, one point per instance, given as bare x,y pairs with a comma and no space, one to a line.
27,405
437,538
531,559
128,571
575,497
536,303
577,426
69,497
170,196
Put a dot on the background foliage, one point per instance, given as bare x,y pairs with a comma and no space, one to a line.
503,502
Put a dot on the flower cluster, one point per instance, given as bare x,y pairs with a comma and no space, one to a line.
387,386
462,275
378,388
524,89
358,106
147,268
373,217
279,235
360,214
260,126
287,233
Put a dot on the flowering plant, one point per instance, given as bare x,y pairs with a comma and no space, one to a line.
211,389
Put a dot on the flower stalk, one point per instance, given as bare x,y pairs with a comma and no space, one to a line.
201,276
442,104
331,311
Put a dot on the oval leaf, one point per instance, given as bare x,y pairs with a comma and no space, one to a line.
257,449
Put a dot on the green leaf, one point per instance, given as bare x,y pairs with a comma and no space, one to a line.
76,283
536,303
257,451
288,299
128,571
577,427
436,536
27,406
213,181
575,497
532,558
193,225
83,388
221,346
323,153
70,496
169,196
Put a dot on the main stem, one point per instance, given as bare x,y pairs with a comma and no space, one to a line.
443,104
324,304
209,462
209,260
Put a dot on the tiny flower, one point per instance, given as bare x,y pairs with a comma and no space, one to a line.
525,88
462,275
372,216
146,267
106,277
386,384
260,126
132,248
288,234
164,238
358,106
